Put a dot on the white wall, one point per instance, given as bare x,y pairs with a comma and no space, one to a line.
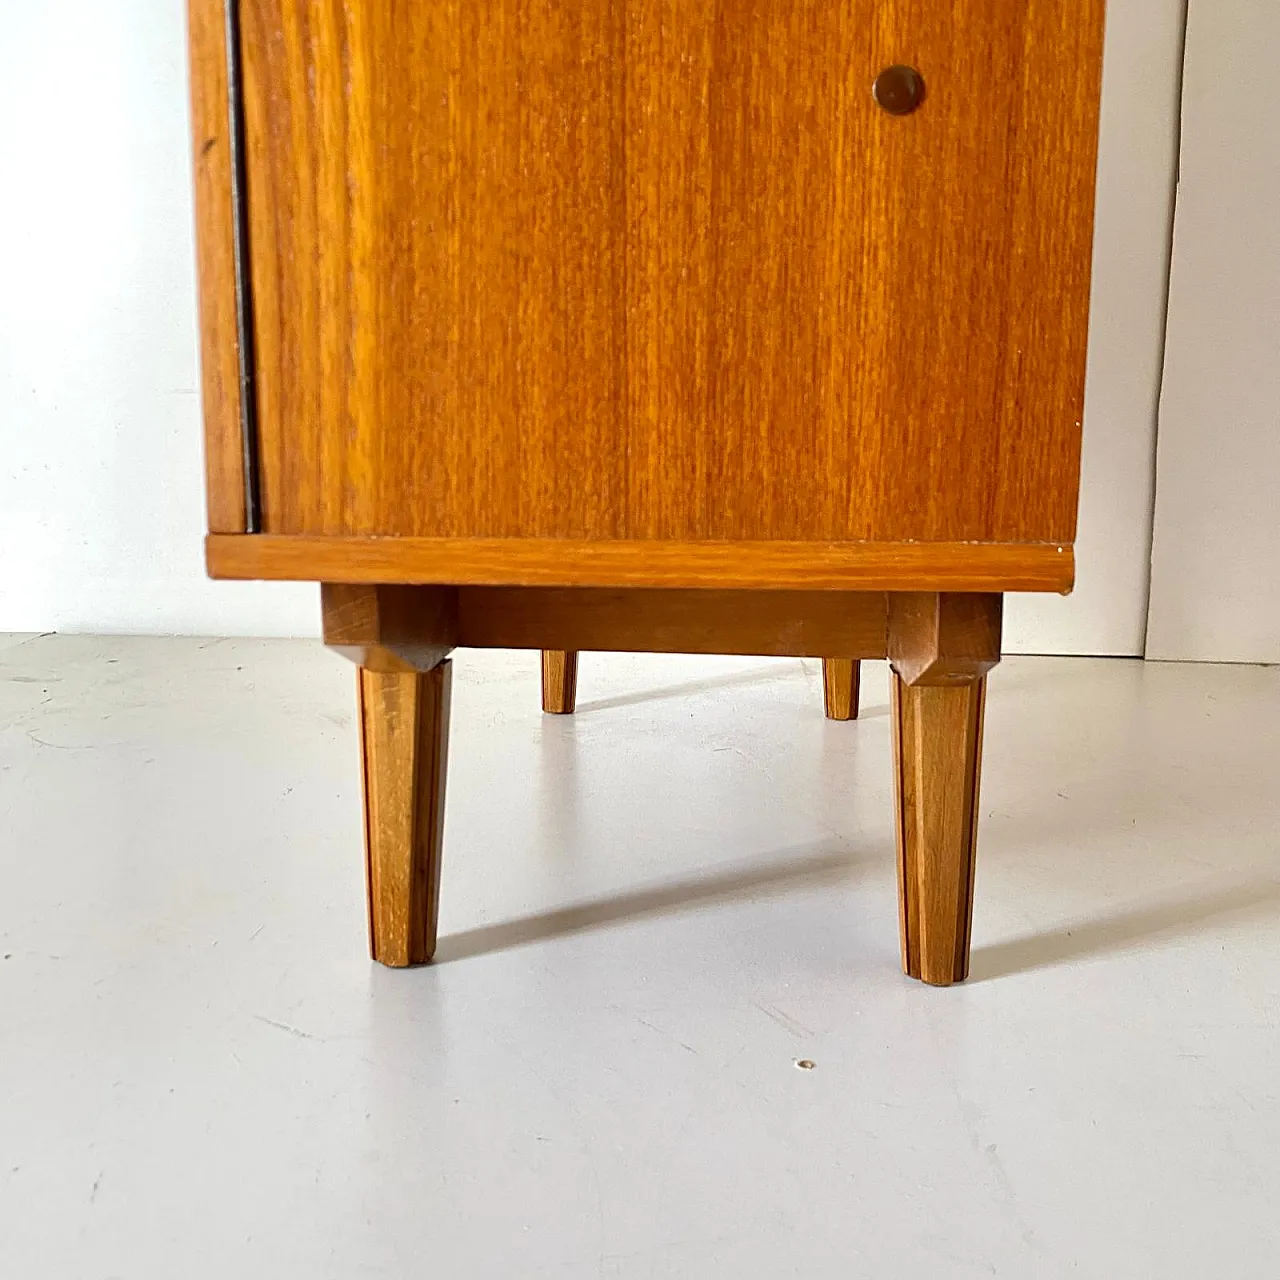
101,506
101,510
1216,566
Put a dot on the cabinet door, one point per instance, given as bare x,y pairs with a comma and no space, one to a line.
663,269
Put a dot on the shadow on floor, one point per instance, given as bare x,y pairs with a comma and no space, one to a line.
766,675
1123,931
710,684
797,870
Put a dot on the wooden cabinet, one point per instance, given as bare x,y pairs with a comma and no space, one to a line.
651,324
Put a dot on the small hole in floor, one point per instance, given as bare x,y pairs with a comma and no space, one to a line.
806,1064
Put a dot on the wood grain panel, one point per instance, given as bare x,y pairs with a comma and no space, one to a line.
613,269
848,566
215,249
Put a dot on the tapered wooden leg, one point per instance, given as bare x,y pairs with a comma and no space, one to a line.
559,681
840,680
404,730
941,647
937,754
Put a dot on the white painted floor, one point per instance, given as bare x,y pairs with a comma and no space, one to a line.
650,912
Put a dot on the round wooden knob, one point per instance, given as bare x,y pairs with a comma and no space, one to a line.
899,90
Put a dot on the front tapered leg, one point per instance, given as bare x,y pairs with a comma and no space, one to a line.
404,730
559,681
941,647
840,680
937,757
400,638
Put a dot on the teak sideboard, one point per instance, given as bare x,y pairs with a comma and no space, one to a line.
712,326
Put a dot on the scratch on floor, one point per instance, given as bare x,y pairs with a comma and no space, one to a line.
785,1021
667,1034
972,1119
284,1026
57,746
